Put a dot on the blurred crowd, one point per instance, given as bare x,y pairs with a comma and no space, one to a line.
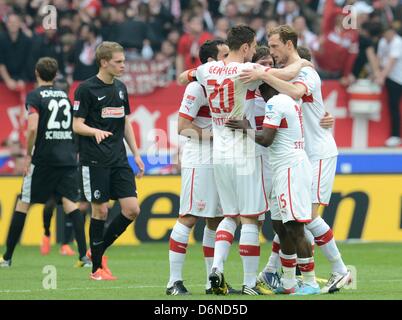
349,39
174,29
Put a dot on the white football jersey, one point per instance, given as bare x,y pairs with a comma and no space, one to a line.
194,107
320,143
287,150
227,99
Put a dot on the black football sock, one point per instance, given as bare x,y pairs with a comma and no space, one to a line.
68,228
77,220
96,242
47,217
14,233
115,229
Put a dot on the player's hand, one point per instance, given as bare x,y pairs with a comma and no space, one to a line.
250,75
328,121
306,63
11,84
27,165
140,165
101,135
237,124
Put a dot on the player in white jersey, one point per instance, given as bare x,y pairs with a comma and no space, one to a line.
320,144
290,203
237,163
199,195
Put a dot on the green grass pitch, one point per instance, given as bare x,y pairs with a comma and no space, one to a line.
143,270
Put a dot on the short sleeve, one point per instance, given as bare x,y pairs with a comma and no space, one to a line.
395,49
199,74
127,107
193,99
305,77
32,102
82,102
273,114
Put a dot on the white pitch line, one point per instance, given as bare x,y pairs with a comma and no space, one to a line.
89,288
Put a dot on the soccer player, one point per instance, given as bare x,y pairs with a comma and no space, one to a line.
320,144
237,163
101,110
290,203
51,161
198,196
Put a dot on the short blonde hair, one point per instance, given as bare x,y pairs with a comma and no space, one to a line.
105,51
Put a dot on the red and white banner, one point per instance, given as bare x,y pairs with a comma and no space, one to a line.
154,117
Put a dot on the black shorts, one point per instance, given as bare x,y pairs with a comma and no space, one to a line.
45,182
100,184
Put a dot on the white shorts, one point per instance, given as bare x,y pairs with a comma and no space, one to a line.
323,180
241,187
292,191
199,195
267,176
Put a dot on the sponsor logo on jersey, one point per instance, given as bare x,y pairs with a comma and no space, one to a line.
76,105
189,100
113,112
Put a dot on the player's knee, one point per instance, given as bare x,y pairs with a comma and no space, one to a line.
188,220
133,212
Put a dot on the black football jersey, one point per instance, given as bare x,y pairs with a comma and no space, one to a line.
103,106
54,145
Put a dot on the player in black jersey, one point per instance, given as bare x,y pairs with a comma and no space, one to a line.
101,108
51,161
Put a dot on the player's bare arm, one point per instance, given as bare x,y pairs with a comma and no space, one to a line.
129,136
186,77
264,137
188,129
328,121
287,73
79,127
33,121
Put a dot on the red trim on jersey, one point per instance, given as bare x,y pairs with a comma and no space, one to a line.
276,247
223,235
186,116
208,252
283,124
250,95
324,239
204,112
265,125
249,251
176,246
364,96
288,263
319,181
302,83
190,78
259,120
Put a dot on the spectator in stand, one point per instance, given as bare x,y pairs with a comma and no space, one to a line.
189,44
286,11
83,54
257,24
159,23
367,51
338,46
390,56
221,28
306,38
46,44
389,12
14,47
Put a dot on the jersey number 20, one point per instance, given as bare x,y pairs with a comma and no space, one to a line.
220,89
54,107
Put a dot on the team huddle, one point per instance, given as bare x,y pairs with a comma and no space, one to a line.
231,178
258,143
